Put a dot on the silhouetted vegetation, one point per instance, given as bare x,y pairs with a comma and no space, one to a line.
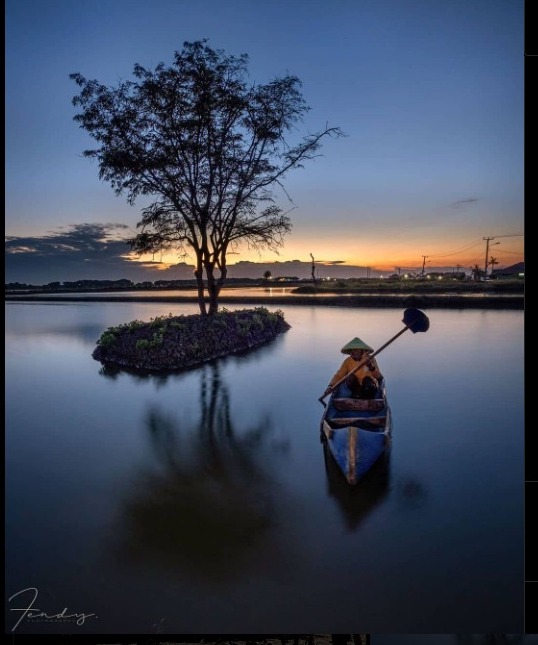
208,145
436,284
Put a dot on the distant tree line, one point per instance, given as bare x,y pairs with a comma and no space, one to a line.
103,285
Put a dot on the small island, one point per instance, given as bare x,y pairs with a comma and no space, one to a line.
183,342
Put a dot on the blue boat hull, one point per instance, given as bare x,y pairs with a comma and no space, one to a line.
357,432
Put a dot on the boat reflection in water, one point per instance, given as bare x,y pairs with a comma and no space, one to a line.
357,502
206,505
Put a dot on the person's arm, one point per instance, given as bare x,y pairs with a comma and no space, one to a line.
342,371
374,369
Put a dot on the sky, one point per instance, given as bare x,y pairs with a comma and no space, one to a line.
430,95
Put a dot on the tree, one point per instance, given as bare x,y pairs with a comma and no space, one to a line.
476,272
208,146
493,261
267,275
313,270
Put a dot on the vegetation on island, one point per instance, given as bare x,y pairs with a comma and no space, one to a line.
182,342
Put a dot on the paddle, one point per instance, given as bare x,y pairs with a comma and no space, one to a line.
414,319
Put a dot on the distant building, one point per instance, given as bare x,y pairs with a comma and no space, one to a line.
513,271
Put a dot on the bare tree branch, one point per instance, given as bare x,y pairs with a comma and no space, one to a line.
208,146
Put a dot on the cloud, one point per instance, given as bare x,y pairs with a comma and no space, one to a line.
100,252
80,252
462,203
81,238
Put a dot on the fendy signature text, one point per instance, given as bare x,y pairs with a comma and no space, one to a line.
31,612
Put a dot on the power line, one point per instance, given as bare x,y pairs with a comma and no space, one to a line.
465,248
475,243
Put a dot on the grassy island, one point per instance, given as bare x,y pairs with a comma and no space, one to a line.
182,342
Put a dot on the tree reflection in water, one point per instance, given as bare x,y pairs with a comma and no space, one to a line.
208,504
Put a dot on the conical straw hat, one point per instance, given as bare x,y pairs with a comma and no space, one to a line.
356,343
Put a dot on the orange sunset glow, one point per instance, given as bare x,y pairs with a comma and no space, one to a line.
387,256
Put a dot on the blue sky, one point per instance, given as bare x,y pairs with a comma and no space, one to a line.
429,93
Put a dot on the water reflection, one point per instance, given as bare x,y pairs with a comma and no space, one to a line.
112,454
357,502
113,372
207,504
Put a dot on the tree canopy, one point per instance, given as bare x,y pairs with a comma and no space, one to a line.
210,147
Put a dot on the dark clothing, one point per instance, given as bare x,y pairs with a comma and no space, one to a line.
367,389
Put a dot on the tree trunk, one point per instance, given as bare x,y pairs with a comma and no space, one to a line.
212,290
200,284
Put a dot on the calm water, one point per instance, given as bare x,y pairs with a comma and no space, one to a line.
202,502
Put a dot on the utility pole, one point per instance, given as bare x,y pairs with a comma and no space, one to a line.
486,260
423,264
488,239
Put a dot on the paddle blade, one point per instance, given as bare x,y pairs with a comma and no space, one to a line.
416,320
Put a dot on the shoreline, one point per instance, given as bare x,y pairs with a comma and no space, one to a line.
439,301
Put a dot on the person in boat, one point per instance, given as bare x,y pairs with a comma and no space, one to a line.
364,382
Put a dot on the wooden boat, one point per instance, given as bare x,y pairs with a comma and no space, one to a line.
357,431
